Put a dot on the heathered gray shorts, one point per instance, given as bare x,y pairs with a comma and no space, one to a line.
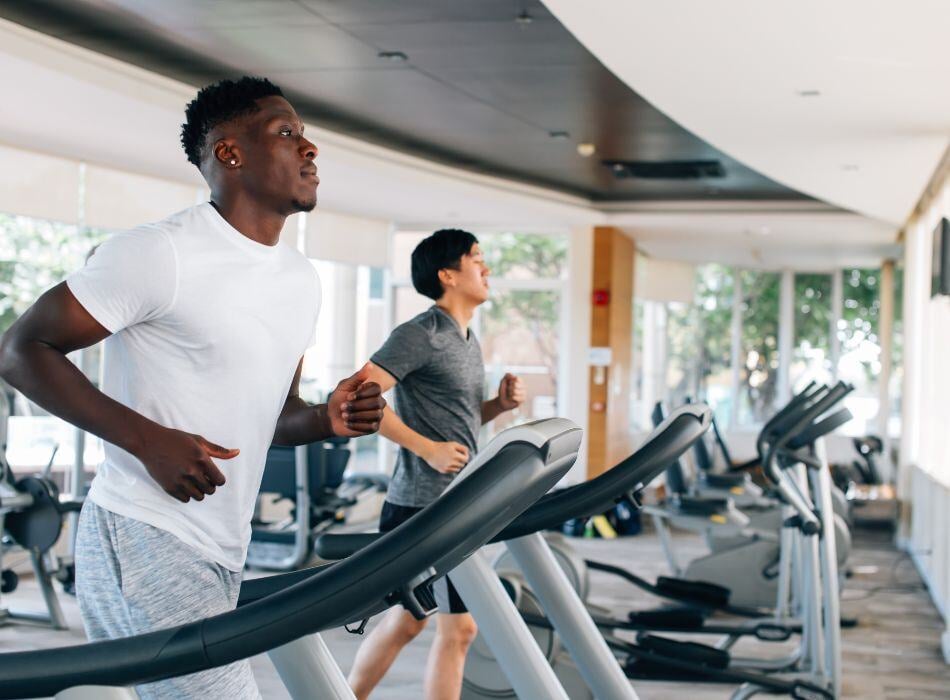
133,578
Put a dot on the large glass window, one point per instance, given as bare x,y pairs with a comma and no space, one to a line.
715,286
811,355
351,326
35,255
520,326
860,362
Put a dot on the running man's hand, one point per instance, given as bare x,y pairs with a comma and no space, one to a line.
445,457
181,463
356,406
511,393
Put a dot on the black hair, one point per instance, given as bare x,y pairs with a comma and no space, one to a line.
443,249
218,103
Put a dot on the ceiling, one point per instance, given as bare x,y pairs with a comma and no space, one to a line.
76,104
479,90
801,236
845,101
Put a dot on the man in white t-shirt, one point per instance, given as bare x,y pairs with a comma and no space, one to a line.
205,320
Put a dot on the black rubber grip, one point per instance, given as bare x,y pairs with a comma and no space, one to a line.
686,651
700,592
670,618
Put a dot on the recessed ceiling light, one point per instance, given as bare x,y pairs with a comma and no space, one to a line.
850,167
394,56
809,93
559,135
586,150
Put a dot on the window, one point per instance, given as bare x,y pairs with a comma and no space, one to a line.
35,255
519,327
351,326
860,362
811,358
715,286
758,354
683,350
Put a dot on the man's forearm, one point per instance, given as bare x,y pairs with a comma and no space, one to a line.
491,410
392,428
46,376
301,423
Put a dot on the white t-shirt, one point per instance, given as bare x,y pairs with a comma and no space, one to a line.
207,329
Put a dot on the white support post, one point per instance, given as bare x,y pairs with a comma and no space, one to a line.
837,311
885,336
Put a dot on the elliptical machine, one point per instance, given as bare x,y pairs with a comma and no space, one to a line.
742,535
808,588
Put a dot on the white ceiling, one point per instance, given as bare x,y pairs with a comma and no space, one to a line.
733,73
802,237
73,103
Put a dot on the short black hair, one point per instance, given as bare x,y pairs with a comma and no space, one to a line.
218,103
443,249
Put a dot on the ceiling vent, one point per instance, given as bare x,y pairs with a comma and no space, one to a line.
666,169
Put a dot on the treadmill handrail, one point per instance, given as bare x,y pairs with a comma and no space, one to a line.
438,538
668,441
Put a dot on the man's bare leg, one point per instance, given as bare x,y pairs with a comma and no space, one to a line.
378,651
453,636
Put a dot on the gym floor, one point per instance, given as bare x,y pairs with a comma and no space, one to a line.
894,654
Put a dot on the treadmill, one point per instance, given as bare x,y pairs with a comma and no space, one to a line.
282,615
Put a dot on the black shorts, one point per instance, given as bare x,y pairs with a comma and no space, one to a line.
446,596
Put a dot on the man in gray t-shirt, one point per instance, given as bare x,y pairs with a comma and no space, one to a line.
435,363
440,379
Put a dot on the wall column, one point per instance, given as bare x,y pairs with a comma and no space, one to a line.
886,339
837,312
610,379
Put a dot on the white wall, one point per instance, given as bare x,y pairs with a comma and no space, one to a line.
924,472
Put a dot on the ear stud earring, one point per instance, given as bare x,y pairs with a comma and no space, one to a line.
233,162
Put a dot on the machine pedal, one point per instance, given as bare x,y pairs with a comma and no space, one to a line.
669,618
698,592
692,652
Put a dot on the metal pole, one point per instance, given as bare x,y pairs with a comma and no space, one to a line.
786,335
308,670
837,311
831,603
505,632
570,618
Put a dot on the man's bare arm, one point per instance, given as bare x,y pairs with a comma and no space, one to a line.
33,360
354,409
445,457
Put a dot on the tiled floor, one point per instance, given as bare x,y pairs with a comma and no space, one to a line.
894,653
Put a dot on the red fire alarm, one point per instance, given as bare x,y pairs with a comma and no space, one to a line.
601,297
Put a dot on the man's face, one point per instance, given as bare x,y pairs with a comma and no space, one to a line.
276,161
471,279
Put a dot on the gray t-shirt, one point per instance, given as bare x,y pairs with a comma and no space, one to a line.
441,377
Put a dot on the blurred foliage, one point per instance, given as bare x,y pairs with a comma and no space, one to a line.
35,255
699,335
517,256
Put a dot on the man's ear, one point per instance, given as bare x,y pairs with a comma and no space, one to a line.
446,278
227,153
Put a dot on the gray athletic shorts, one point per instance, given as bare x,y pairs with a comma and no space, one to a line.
133,578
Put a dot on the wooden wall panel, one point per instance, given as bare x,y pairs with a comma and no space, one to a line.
611,326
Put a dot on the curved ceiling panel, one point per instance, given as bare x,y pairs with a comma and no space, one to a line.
844,101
